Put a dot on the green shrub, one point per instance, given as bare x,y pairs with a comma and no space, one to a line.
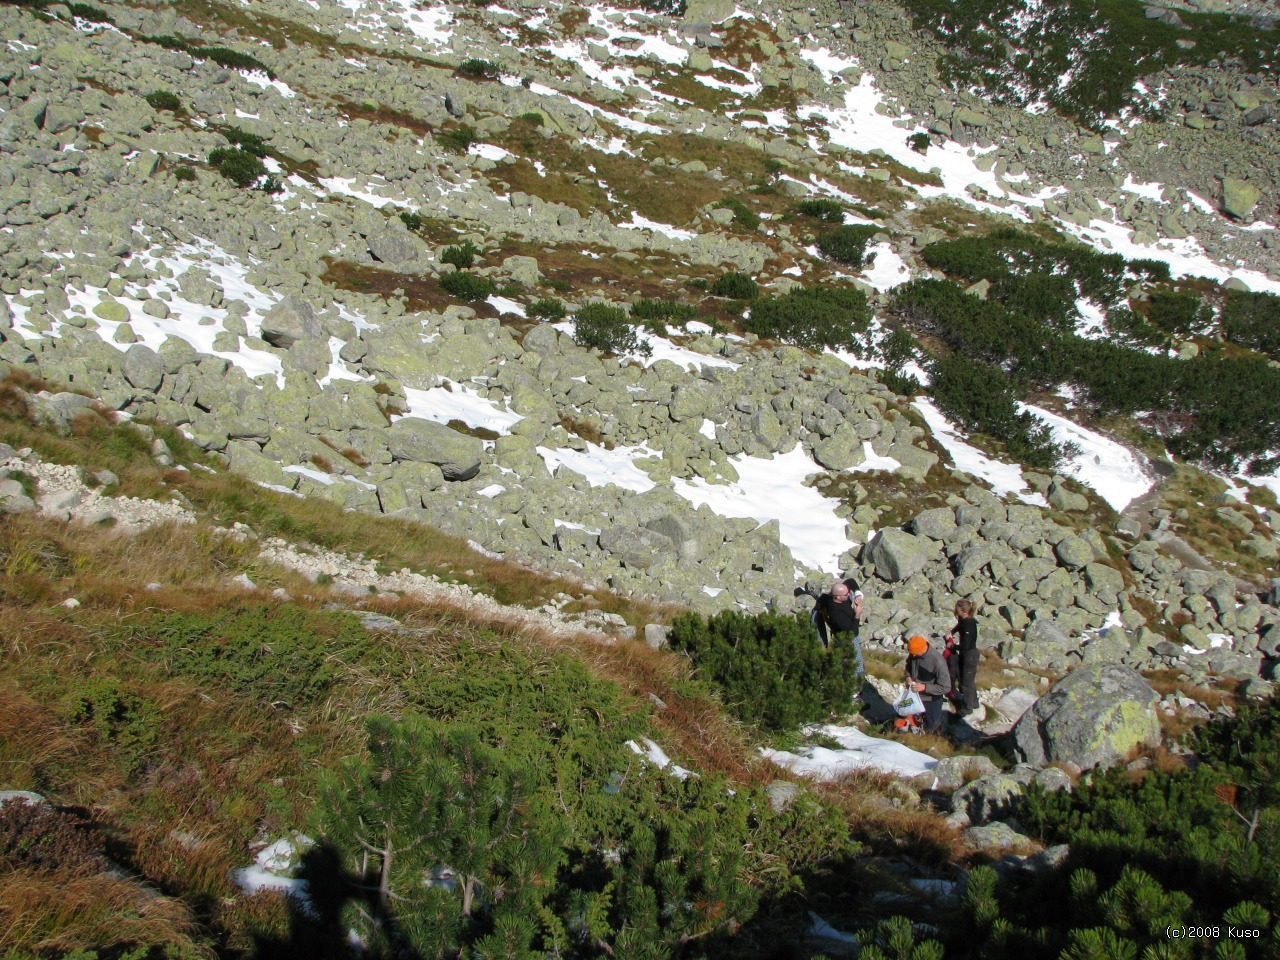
896,351
919,142
463,255
822,208
658,313
431,795
772,669
826,317
534,117
1253,320
847,244
466,285
87,11
475,67
979,397
231,59
599,326
735,286
164,100
1178,313
238,166
412,219
117,716
276,653
1043,58
742,214
459,139
246,141
547,308
183,172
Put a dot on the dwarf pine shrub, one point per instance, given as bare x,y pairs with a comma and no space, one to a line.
466,285
772,669
735,286
817,318
476,67
847,244
240,167
548,308
164,100
822,208
599,326
462,255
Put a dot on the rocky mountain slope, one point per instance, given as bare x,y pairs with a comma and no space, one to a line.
306,334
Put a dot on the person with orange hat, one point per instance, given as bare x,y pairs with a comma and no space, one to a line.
928,676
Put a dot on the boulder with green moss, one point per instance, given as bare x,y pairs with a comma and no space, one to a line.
1096,716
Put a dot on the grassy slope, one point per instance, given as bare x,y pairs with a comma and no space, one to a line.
181,760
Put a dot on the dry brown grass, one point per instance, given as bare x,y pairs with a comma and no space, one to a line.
32,740
60,913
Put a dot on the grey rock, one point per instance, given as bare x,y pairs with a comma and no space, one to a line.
637,548
22,796
951,773
424,441
1074,553
782,794
1239,197
289,321
897,555
143,367
454,105
655,635
392,246
1060,498
937,524
1095,716
992,797
998,836
1258,115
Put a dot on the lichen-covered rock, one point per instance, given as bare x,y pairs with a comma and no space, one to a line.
1095,716
951,773
992,797
936,524
424,441
897,555
289,321
636,548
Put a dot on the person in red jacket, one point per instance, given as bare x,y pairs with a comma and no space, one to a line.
927,675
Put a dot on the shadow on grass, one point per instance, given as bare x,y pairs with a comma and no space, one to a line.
319,928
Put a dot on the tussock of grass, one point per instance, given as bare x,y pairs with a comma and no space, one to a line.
55,913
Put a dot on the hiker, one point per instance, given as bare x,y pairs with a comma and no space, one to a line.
839,612
927,676
966,636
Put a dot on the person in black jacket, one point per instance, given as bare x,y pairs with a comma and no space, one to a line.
840,612
966,634
927,676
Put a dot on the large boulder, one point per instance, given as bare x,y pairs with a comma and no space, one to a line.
1239,197
898,555
637,548
289,321
424,441
1095,716
143,368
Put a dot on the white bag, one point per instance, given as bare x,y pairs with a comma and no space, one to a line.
908,702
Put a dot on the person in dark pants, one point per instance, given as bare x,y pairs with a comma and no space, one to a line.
839,613
927,675
966,634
